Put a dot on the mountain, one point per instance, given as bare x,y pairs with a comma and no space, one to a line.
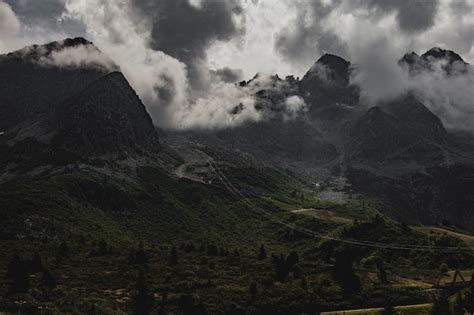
446,60
403,130
327,83
376,149
102,213
57,112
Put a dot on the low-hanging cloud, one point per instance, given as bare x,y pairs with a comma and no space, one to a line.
184,29
160,79
230,105
294,106
119,32
183,57
382,79
81,56
9,25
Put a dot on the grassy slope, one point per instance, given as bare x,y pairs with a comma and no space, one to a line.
467,238
81,208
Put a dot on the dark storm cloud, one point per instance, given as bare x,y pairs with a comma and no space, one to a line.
412,15
185,29
462,7
44,15
306,39
227,74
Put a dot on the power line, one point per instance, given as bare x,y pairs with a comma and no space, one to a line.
228,184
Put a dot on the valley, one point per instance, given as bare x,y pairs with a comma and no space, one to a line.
344,207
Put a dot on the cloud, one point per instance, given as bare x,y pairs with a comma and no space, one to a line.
160,79
381,79
184,29
411,15
379,75
306,37
294,106
450,97
118,30
227,74
376,61
78,56
179,55
230,105
9,25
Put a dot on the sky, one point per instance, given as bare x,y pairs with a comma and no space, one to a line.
180,55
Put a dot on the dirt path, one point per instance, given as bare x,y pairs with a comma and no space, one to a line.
468,239
324,215
180,171
377,310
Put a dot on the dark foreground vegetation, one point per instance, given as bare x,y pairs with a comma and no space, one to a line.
84,242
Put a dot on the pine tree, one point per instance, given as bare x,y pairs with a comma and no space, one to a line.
281,268
36,263
253,289
103,248
17,271
458,308
139,256
388,310
173,256
202,248
63,250
189,247
142,300
469,298
441,307
443,268
343,272
262,253
48,279
382,271
212,250
292,259
304,284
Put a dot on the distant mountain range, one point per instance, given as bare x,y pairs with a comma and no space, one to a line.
398,151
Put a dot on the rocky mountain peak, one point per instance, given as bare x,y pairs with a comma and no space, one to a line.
437,53
334,63
435,58
66,98
410,58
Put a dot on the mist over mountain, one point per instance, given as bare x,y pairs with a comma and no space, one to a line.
319,127
236,157
65,102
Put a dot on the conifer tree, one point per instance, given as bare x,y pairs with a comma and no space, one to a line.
262,254
36,263
17,271
142,302
173,256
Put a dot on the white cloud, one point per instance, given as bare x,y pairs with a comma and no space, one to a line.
9,23
9,26
159,79
374,42
294,106
79,56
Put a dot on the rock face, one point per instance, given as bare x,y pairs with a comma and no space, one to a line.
327,83
403,130
398,151
54,110
435,58
105,117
